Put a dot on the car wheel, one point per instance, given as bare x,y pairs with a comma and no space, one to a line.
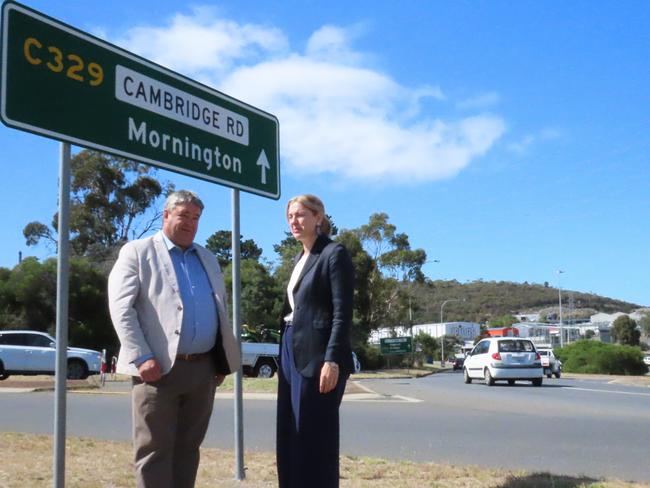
557,375
264,369
77,370
468,380
511,382
3,374
549,376
488,377
537,382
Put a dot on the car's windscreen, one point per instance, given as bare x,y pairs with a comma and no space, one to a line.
516,346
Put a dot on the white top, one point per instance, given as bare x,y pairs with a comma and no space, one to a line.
295,274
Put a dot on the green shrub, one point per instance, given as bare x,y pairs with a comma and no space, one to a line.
588,356
369,357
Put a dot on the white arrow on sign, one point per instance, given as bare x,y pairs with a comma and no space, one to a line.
264,163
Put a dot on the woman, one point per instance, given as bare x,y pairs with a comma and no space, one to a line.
315,352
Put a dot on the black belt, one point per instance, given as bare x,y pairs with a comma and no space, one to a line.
191,357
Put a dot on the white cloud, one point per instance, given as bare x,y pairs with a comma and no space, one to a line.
522,145
482,101
349,121
549,134
332,43
336,116
203,42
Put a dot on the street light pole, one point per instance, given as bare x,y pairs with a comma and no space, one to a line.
559,295
442,337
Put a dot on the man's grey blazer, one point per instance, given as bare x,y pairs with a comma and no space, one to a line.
147,311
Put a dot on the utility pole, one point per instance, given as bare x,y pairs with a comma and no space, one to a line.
559,294
571,317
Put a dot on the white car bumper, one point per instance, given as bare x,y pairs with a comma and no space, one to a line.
512,372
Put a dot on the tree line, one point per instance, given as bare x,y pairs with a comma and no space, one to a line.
114,200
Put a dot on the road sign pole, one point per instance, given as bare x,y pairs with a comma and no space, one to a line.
240,474
63,267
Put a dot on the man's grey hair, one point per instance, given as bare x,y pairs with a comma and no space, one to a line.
182,197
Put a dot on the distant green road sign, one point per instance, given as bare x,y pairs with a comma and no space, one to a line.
63,83
395,345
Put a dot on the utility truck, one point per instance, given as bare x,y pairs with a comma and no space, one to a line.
551,364
260,359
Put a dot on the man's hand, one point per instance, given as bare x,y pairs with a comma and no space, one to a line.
218,378
329,376
150,371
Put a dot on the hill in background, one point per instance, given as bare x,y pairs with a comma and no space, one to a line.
488,299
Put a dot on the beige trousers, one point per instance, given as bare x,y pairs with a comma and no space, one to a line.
170,419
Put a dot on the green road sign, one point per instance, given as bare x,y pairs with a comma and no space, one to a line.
63,83
395,345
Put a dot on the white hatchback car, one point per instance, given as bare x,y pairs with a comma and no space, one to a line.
503,358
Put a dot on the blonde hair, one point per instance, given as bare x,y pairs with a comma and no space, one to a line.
315,204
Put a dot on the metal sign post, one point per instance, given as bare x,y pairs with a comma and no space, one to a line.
240,473
62,285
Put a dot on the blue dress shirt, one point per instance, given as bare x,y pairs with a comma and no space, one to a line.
200,318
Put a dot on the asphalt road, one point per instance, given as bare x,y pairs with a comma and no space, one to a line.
567,426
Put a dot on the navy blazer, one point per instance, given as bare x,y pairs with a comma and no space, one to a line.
323,303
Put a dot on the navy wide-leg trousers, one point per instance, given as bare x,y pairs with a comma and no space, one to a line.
307,426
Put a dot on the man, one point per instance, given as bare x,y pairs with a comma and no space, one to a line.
167,302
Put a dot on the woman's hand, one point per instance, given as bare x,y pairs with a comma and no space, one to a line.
329,376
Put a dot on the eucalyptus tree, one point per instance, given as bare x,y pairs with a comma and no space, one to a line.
397,269
220,243
112,200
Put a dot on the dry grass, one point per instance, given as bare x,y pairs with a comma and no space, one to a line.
27,462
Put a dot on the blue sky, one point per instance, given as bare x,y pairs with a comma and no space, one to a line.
507,139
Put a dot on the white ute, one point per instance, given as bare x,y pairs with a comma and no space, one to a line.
260,359
551,364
